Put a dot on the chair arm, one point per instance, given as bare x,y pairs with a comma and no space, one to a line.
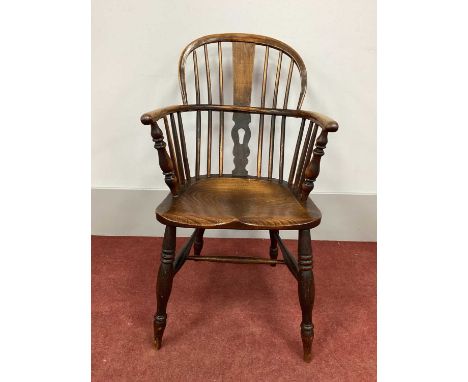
312,169
323,121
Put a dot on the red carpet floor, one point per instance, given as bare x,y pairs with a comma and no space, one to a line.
232,322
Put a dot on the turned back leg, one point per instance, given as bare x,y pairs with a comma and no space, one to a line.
198,244
306,290
273,246
164,283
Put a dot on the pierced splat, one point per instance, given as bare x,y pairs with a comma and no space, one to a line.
241,149
243,55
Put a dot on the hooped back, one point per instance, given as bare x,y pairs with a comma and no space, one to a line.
239,62
245,49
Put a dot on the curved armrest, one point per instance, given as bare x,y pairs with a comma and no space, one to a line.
323,121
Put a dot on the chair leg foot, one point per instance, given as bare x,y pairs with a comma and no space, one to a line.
159,324
273,246
307,335
306,291
198,244
164,284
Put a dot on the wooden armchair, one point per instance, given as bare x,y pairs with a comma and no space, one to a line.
214,199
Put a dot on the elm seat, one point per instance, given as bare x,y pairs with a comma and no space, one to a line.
238,203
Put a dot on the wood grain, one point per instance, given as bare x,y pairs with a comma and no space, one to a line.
164,284
306,292
184,147
238,203
236,260
221,115
165,162
178,153
322,120
313,168
243,55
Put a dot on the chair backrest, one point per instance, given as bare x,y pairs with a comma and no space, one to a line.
250,57
258,71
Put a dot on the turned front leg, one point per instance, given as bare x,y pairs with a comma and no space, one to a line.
273,246
198,244
306,289
164,283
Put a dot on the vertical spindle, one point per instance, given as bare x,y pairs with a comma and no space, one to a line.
221,114
265,76
198,128
262,117
208,147
210,114
305,147
282,137
171,148
198,146
277,79
208,73
177,149
184,147
296,153
288,84
183,85
309,153
283,120
197,77
273,118
271,148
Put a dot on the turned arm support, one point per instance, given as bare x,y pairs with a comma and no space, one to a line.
323,121
165,161
313,168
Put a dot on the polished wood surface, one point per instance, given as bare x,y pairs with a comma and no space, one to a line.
313,168
273,244
238,203
164,284
240,200
326,123
306,291
165,162
236,260
220,39
242,61
198,246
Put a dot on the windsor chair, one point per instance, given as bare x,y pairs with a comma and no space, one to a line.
216,199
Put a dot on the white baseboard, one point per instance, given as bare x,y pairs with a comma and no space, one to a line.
130,212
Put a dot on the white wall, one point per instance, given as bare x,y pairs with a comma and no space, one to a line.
135,50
